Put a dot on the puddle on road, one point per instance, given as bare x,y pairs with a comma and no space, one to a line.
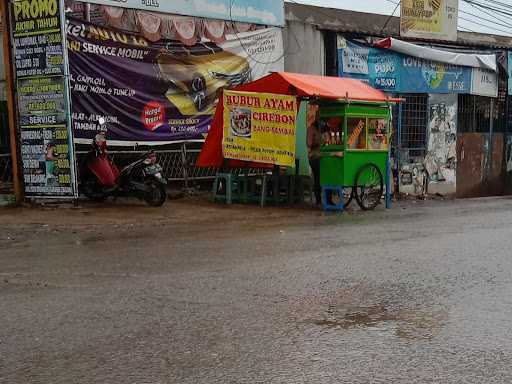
351,317
339,313
406,324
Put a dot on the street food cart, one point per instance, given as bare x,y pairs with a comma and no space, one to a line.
355,125
354,151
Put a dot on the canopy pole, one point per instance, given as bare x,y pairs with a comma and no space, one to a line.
388,165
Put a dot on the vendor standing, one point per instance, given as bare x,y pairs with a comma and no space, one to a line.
314,141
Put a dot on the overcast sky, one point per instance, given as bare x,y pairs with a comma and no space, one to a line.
470,17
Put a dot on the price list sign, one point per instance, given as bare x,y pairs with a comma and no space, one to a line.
43,103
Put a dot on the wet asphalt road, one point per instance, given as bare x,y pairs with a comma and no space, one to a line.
421,294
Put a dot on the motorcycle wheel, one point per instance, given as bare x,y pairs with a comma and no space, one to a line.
93,191
155,195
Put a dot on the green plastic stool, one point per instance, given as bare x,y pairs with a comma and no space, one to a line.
227,179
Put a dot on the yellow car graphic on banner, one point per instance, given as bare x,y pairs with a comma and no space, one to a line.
197,74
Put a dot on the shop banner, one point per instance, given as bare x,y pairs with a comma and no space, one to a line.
354,58
424,76
380,68
266,12
484,83
395,72
44,115
429,19
156,93
473,60
259,127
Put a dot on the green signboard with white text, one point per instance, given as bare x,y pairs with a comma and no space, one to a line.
43,102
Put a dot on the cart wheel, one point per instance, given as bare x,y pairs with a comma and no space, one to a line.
348,194
369,186
335,198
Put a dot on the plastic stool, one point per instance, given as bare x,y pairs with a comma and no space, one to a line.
327,206
227,178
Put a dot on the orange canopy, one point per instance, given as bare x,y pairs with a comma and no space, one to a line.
327,87
284,83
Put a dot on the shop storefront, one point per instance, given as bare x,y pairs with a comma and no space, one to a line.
433,121
445,140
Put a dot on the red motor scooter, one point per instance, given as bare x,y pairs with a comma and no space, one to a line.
101,178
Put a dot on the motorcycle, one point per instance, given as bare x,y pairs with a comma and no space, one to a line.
101,178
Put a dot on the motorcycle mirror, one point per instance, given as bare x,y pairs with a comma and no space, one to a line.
101,120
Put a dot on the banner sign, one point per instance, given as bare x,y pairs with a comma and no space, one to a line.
484,83
44,116
259,127
266,12
395,72
424,76
377,66
429,19
155,93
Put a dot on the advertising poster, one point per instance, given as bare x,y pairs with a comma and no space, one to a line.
429,19
441,158
484,83
378,67
355,58
395,72
156,93
45,137
259,127
425,76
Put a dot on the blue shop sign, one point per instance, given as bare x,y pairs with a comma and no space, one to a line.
394,72
379,69
425,76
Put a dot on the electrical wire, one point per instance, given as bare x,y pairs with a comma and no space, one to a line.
491,4
482,7
483,10
392,2
490,11
504,16
389,18
488,7
464,29
485,26
499,3
485,19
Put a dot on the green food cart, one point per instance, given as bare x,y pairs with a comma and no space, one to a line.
354,152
